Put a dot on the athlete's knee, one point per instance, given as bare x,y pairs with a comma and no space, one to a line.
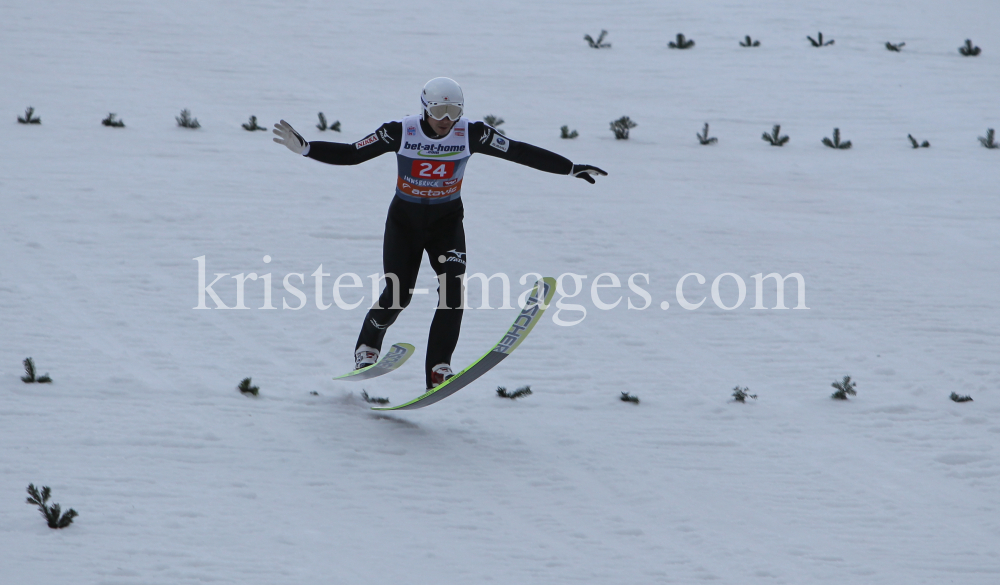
451,290
395,295
393,300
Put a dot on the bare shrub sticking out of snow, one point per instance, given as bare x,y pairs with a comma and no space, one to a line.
836,143
565,133
53,514
626,397
252,126
988,141
246,388
703,137
29,373
28,119
741,394
186,121
968,49
599,43
519,393
916,144
818,41
894,48
775,138
748,42
844,388
681,43
111,122
373,399
621,126
955,397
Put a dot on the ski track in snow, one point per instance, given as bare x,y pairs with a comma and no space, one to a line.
180,479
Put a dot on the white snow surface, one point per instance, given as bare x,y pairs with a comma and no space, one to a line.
178,478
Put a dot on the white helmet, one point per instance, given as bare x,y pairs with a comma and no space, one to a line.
442,98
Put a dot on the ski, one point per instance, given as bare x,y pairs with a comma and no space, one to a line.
530,315
392,359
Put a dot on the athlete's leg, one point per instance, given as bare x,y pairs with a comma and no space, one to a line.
402,249
446,251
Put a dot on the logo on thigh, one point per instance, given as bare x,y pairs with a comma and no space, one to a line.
452,256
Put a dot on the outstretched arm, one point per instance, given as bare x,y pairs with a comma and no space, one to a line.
385,139
485,139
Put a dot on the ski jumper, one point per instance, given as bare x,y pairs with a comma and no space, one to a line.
426,214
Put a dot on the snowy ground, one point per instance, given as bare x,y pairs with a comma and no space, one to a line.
180,479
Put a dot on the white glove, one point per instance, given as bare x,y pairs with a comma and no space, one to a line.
290,138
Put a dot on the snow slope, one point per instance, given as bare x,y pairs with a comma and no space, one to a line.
180,479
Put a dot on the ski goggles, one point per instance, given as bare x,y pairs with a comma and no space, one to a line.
441,111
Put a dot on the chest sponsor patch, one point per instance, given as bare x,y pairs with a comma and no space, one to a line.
363,143
499,142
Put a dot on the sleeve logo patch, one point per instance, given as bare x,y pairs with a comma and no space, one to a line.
499,142
366,142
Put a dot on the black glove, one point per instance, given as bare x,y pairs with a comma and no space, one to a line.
586,172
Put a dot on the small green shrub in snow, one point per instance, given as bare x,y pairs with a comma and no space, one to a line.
894,48
844,388
186,121
621,127
373,399
53,514
818,41
916,144
111,122
988,141
968,49
703,137
29,374
323,127
565,133
775,138
955,397
519,393
836,143
626,397
252,125
741,394
681,43
246,387
29,118
599,43
495,122
748,42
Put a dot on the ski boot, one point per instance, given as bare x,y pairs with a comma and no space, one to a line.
364,356
439,374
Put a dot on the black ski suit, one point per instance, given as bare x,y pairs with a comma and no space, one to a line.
426,214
